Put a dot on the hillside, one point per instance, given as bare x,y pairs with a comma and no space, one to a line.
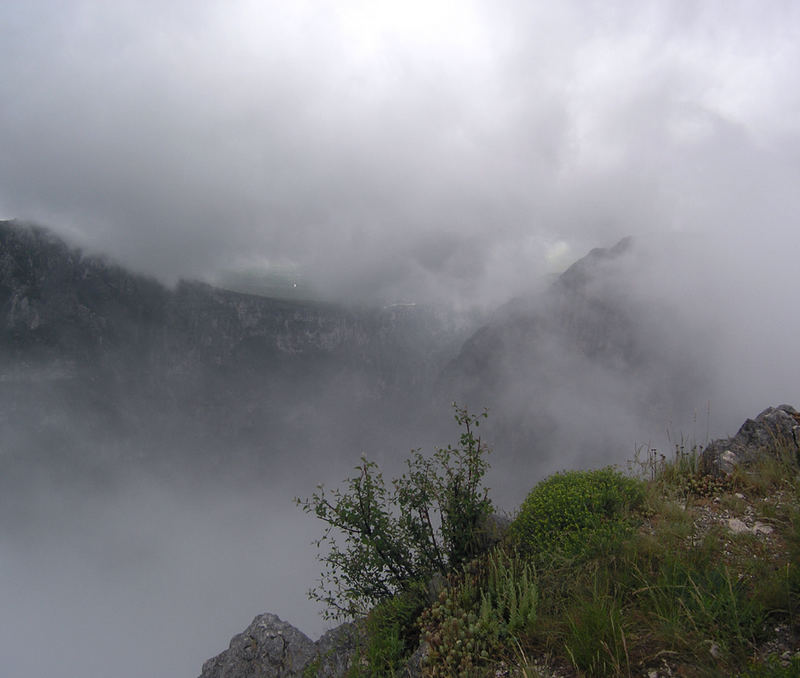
689,566
160,373
157,434
92,352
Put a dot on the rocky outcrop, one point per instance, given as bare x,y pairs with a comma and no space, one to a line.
775,431
271,648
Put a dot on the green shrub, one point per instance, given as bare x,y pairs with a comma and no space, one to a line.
381,540
576,512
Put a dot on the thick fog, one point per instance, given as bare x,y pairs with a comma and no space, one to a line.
376,153
148,578
395,150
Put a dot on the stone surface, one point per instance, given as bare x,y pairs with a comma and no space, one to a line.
336,651
737,526
413,668
272,648
268,648
775,430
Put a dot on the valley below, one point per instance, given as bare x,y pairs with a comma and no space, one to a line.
154,438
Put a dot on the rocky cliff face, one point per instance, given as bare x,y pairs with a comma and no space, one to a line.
119,358
90,348
774,432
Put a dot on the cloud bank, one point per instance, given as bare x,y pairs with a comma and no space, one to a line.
396,150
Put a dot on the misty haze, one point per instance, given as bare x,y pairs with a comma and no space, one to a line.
244,244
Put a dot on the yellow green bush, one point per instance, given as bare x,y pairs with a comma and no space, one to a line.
576,511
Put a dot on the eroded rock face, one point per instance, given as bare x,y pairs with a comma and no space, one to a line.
272,648
335,651
268,648
118,367
775,430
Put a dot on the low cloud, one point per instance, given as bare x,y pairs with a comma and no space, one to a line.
395,151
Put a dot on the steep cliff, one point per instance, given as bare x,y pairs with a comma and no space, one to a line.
116,357
92,352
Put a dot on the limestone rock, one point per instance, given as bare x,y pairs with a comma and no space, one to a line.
413,668
268,648
774,430
737,526
271,648
336,651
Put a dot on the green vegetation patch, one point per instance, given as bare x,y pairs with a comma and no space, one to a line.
599,575
392,632
491,602
576,511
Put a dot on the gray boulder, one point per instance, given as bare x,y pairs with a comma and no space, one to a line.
268,648
776,430
271,648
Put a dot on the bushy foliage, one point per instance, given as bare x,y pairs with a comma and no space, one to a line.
576,510
612,575
380,540
492,600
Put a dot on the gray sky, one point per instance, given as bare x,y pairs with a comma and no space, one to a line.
396,149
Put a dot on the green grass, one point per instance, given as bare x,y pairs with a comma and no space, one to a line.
392,634
608,575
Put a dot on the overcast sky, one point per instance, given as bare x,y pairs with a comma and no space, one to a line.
397,149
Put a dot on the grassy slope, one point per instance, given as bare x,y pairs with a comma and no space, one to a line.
672,574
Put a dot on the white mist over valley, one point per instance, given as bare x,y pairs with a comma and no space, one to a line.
245,243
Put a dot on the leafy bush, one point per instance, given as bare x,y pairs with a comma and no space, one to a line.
576,511
611,575
381,540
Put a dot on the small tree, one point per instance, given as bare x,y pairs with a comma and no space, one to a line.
379,541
